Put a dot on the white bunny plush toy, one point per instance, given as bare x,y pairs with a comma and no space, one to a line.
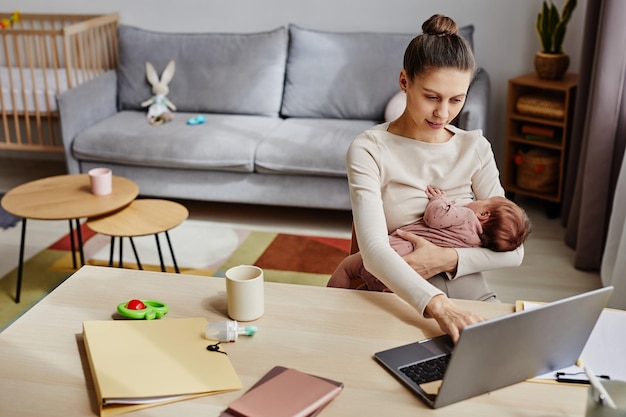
159,110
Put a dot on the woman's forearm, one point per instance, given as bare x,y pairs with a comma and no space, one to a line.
473,260
429,260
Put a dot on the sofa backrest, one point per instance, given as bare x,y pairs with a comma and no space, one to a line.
215,72
294,72
342,74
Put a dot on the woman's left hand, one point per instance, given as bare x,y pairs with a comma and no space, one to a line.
428,259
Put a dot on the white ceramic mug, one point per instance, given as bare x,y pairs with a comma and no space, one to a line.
101,181
244,292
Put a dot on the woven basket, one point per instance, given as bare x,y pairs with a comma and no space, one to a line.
551,66
537,170
549,107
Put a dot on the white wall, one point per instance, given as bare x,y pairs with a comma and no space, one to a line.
505,38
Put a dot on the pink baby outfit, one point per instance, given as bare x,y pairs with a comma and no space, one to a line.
444,224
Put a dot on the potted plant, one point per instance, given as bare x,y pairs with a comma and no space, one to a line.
551,62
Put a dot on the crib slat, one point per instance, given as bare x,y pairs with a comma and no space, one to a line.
30,61
5,121
18,62
45,109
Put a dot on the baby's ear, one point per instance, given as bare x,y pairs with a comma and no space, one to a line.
484,214
151,74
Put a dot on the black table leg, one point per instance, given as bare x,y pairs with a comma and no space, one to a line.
121,262
132,244
79,234
169,242
156,236
72,244
111,251
20,266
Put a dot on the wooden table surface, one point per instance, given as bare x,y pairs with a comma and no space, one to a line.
64,197
324,331
141,218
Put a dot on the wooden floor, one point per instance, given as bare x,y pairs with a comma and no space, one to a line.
546,274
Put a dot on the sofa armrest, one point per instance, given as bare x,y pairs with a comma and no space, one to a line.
476,109
84,106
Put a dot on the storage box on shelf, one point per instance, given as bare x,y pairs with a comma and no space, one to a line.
539,116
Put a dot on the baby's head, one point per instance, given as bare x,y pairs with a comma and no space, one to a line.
505,224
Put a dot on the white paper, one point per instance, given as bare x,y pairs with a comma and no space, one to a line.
604,351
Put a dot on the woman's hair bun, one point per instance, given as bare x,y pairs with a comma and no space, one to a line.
439,46
440,25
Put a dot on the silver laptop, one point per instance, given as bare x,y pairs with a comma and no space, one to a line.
498,352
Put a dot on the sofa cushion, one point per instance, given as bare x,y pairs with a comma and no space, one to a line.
396,106
223,142
309,146
215,72
344,75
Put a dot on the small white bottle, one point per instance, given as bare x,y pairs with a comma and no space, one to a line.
227,331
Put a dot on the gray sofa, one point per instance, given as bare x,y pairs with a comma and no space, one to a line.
281,109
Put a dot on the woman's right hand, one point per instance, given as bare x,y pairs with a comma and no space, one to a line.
428,259
450,318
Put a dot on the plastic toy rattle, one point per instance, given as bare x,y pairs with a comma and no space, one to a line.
196,120
142,309
7,23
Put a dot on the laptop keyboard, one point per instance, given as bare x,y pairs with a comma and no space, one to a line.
427,371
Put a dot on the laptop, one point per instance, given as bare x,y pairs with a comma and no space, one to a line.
498,352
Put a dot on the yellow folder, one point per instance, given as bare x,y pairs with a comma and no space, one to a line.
142,363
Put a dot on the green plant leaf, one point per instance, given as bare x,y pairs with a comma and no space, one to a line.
558,37
551,26
568,10
544,28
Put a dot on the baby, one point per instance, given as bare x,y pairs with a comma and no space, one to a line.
495,223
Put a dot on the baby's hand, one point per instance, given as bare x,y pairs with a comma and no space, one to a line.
432,192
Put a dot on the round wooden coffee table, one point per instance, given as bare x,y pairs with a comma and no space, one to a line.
142,217
64,197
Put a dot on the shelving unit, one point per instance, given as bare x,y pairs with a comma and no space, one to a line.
543,107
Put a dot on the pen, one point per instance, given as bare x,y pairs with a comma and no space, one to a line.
572,381
604,396
565,378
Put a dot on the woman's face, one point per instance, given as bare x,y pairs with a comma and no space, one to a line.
433,100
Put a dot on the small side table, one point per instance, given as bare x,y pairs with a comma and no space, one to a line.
142,217
63,197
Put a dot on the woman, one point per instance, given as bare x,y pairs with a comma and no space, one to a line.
390,166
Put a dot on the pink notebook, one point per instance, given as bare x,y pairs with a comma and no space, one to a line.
290,393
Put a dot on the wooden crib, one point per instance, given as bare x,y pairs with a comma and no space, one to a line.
41,56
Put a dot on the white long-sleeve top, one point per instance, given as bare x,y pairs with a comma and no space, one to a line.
388,175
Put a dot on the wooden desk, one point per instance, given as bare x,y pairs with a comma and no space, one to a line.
325,331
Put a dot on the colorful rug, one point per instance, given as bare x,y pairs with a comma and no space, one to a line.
201,248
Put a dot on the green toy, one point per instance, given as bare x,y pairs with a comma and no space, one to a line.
142,309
